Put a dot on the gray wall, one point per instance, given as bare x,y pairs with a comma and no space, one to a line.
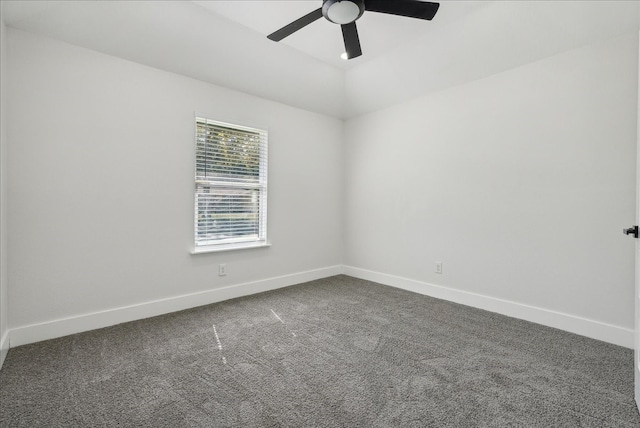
102,166
4,308
520,183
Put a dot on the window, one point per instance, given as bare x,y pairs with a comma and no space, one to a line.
230,186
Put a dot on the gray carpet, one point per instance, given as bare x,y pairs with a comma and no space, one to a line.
338,352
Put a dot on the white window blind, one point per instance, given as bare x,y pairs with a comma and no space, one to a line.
230,184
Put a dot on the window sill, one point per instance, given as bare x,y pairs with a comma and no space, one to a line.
229,247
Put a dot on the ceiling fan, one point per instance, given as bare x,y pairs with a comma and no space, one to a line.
346,12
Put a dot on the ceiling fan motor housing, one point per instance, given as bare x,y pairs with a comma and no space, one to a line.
342,11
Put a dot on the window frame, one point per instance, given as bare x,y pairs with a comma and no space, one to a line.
229,184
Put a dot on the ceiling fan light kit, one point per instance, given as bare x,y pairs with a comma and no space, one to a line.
342,11
346,12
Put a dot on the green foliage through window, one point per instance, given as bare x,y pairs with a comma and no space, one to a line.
230,183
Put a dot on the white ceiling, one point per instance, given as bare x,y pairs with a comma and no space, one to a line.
224,42
379,33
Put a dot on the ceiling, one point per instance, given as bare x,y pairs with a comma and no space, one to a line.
224,43
379,33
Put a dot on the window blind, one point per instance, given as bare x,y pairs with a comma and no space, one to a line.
230,184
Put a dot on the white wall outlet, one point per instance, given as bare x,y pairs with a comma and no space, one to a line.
438,267
222,269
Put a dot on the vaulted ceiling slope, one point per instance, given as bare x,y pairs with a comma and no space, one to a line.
224,43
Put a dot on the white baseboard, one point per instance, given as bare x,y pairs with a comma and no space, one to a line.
77,324
4,347
594,329
62,327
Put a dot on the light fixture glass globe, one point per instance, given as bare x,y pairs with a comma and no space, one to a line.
343,12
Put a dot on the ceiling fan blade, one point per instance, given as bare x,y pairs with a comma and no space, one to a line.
351,40
411,8
287,30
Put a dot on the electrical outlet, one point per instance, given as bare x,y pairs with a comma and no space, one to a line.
222,269
438,267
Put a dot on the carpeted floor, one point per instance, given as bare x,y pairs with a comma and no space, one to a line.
338,352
